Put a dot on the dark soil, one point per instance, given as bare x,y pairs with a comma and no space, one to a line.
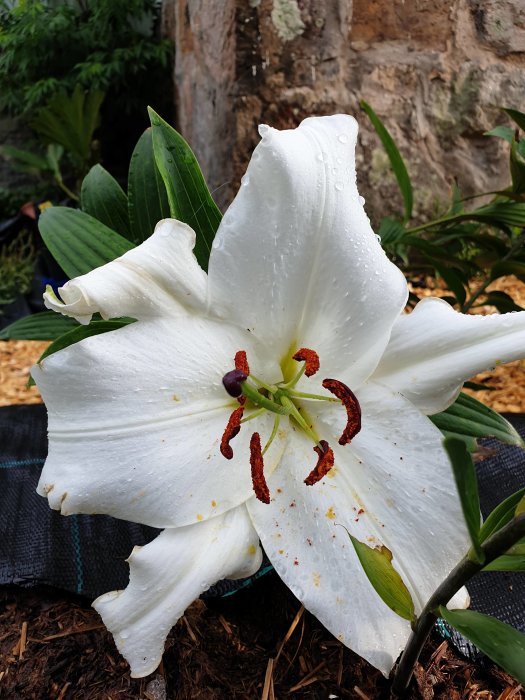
258,644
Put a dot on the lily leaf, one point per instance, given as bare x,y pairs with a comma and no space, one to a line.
396,161
147,197
103,198
503,132
45,325
466,482
188,194
78,242
469,417
516,116
388,584
501,515
500,642
79,333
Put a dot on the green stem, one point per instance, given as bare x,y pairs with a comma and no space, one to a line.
317,397
259,400
274,433
493,547
292,411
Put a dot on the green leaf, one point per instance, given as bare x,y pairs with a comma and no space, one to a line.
466,482
475,386
509,267
388,584
503,132
147,197
71,120
500,642
46,325
502,301
452,280
396,161
188,195
507,562
517,117
468,416
501,515
103,198
390,231
517,167
78,242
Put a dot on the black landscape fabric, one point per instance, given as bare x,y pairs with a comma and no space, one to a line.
86,554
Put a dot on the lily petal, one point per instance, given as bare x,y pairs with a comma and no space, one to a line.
170,573
295,259
143,444
392,486
159,277
433,350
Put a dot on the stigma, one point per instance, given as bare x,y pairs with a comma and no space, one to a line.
257,397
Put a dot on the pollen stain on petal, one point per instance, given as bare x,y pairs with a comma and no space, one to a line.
214,504
200,517
330,513
252,550
316,577
175,397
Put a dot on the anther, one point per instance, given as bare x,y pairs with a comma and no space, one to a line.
241,362
310,358
233,382
353,409
324,463
260,486
231,430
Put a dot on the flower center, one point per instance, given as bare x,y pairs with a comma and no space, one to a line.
258,397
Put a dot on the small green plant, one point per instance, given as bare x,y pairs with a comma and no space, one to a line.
17,260
467,247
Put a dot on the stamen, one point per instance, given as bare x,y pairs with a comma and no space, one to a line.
231,430
241,362
260,487
232,382
310,357
353,409
324,463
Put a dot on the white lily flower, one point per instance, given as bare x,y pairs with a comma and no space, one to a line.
137,416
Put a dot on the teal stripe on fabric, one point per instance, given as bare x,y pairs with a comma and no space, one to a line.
21,463
75,534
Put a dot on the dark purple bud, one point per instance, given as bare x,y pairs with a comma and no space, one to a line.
232,382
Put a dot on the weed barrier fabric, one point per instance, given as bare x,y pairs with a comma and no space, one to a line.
86,554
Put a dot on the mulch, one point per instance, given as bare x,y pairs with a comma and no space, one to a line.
259,644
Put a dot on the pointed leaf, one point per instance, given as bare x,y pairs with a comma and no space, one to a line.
501,515
46,325
396,161
502,132
452,280
510,267
147,197
188,195
78,242
500,642
502,301
466,482
517,117
468,416
388,584
103,198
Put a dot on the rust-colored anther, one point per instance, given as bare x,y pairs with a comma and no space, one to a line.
310,357
353,409
324,463
241,362
260,487
231,430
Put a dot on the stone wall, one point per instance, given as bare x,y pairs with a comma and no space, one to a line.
434,70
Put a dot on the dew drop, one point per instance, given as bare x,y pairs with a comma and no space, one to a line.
342,138
339,186
361,200
263,130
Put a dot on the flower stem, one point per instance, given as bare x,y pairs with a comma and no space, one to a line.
493,547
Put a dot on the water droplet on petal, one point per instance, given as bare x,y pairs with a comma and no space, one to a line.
339,186
263,130
361,200
343,138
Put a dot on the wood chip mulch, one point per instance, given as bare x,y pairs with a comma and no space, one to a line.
259,644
